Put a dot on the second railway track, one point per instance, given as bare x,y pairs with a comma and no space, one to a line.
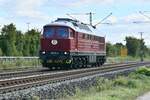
23,82
6,75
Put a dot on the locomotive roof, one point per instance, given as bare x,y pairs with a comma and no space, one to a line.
76,25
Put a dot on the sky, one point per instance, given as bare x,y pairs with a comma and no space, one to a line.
41,12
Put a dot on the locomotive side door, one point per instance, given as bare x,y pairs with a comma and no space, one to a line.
73,36
76,40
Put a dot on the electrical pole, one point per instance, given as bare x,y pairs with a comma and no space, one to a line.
28,25
90,18
141,47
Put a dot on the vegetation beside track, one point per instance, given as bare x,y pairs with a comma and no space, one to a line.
120,88
120,59
14,64
19,64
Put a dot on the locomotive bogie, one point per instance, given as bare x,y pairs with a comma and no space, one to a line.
71,60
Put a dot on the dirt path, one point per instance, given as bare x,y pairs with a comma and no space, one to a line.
144,97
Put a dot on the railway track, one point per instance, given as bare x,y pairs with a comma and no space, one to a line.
23,82
4,75
30,72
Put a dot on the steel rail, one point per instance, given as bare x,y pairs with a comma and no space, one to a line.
30,72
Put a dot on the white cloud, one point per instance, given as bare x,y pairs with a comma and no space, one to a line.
76,3
85,2
30,8
2,2
135,17
124,26
128,19
4,21
112,19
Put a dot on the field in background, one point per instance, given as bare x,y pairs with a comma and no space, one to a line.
9,63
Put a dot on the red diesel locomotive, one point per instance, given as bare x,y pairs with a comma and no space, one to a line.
67,43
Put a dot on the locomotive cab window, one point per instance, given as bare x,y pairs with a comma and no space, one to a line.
48,32
55,32
62,32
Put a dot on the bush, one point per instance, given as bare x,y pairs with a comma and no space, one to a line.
132,84
103,84
144,71
35,98
125,82
120,81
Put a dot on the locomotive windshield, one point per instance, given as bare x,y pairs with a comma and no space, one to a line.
55,32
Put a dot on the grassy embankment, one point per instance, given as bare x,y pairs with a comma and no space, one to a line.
120,88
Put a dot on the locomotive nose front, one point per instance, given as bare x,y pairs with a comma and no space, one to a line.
55,45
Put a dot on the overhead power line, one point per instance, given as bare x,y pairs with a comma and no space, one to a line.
103,19
142,13
90,14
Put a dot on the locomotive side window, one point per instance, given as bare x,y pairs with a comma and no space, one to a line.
72,35
83,36
88,37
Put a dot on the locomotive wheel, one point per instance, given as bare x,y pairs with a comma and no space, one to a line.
84,63
44,64
75,63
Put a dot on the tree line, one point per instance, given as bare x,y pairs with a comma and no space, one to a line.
16,43
135,48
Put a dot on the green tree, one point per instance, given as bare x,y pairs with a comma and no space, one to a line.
32,38
15,43
118,47
19,43
111,50
9,39
134,46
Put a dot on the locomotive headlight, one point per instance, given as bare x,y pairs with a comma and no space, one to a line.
43,52
65,53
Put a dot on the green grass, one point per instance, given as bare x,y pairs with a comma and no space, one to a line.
19,64
120,88
125,59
